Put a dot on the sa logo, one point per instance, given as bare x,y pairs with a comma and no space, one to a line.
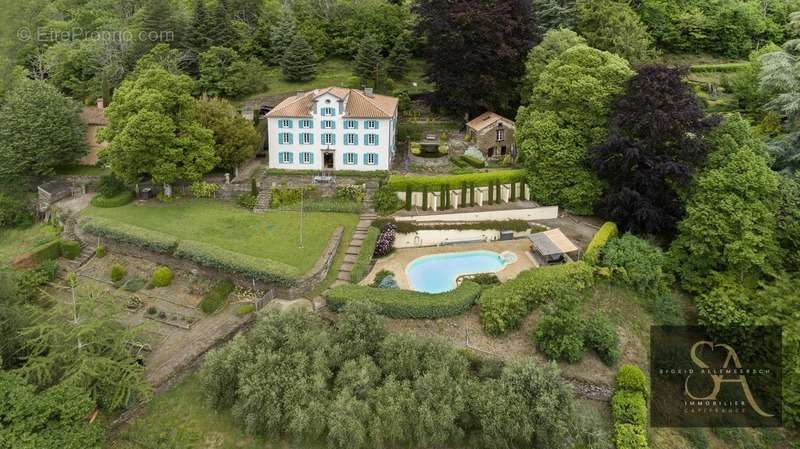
718,379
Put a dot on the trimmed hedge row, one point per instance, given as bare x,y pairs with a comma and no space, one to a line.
265,270
503,308
416,183
364,255
395,303
132,235
606,232
720,68
629,408
117,200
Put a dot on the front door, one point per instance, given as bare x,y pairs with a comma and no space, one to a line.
327,160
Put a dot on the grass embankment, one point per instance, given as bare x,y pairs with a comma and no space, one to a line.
14,242
275,235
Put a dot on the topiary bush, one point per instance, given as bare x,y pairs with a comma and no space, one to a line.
502,308
600,335
400,183
396,303
117,272
601,237
70,249
559,332
631,378
162,277
629,407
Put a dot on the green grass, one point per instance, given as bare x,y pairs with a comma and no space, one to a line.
82,170
338,72
181,418
14,242
274,235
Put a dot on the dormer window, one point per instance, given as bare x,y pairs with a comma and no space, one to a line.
328,111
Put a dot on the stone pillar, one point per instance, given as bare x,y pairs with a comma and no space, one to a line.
505,193
454,198
433,201
481,193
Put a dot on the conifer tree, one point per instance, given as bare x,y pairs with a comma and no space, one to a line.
282,35
299,62
218,26
368,61
398,59
197,40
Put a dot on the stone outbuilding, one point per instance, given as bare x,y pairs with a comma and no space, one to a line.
493,135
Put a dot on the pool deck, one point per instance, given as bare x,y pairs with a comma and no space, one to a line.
399,259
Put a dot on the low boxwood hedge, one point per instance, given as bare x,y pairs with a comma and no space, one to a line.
399,183
364,256
117,200
395,303
265,270
606,232
132,235
503,308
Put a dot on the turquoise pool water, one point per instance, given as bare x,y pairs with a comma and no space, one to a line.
438,273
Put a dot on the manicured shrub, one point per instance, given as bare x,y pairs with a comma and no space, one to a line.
603,235
100,251
247,200
331,205
500,225
502,308
118,200
110,185
631,378
637,263
129,234
408,198
216,296
162,277
385,201
70,249
424,197
400,183
265,270
629,407
385,242
152,310
117,272
364,256
559,332
601,337
396,303
629,436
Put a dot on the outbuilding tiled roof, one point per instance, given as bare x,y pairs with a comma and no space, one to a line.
357,104
552,242
487,119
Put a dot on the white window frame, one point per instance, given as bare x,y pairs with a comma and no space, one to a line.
325,109
347,160
306,138
325,124
371,139
500,135
325,137
351,139
306,158
370,124
372,158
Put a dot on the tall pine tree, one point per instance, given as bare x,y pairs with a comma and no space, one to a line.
397,63
299,62
368,60
282,35
197,40
219,31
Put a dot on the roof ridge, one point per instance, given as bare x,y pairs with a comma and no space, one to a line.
370,101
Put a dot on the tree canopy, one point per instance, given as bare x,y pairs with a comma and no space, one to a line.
235,139
656,144
554,43
613,26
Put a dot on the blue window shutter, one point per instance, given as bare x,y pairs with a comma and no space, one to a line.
356,141
280,123
289,122
376,158
291,157
365,159
377,139
312,139
312,157
344,158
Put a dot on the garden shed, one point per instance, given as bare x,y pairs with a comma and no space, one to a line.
551,246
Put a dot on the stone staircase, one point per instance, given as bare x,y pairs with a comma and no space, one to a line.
86,251
369,191
364,222
262,201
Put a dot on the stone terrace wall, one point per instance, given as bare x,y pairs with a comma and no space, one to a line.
306,284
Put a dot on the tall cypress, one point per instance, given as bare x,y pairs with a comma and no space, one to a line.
463,194
408,197
425,197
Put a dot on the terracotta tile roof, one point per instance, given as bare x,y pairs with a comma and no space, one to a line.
487,119
92,115
358,104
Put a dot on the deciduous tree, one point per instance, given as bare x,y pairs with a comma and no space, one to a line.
613,26
235,139
555,42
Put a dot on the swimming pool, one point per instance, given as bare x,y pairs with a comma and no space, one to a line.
438,273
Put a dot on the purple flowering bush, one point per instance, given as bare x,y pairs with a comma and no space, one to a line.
385,241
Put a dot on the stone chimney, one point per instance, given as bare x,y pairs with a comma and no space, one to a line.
100,104
299,93
369,92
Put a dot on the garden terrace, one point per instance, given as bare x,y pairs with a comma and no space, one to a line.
416,183
274,236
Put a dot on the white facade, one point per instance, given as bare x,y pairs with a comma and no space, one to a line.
330,138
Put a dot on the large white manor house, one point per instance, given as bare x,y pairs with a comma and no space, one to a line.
333,129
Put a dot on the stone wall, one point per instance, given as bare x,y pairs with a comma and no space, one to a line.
429,162
306,284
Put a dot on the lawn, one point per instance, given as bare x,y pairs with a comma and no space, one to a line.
338,72
180,418
14,242
274,235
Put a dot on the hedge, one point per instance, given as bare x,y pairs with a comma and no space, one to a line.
364,256
473,161
42,253
629,436
117,200
503,308
720,68
606,232
399,183
396,303
265,270
132,235
215,298
501,225
629,408
631,378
